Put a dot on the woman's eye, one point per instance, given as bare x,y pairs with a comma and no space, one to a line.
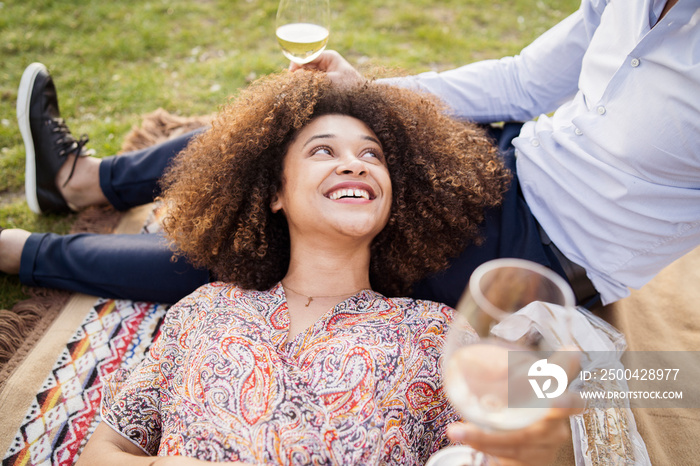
321,151
372,154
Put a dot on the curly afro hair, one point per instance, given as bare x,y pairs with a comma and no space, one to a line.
218,190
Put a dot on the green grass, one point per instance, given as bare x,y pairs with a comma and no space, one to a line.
114,61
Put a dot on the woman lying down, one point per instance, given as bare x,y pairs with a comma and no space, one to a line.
316,207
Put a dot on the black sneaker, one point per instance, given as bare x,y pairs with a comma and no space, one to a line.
47,140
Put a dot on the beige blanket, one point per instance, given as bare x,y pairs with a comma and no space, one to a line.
665,316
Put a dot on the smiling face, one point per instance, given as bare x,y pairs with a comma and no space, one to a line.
335,180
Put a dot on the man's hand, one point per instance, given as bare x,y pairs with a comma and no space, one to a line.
339,70
537,444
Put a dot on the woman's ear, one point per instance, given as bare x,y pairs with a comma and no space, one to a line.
275,203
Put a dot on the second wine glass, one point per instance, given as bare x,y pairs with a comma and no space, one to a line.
486,377
302,28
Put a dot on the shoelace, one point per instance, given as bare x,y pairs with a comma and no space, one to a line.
69,145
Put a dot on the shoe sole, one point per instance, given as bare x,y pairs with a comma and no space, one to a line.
24,95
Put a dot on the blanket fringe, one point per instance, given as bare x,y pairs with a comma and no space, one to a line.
159,126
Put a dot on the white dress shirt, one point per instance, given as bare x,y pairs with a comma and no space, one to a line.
613,175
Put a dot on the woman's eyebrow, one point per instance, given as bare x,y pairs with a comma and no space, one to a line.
318,136
331,136
373,139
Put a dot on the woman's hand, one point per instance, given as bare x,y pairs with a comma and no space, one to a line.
338,69
107,447
187,461
537,444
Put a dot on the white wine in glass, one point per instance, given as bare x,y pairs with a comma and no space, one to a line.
303,28
481,370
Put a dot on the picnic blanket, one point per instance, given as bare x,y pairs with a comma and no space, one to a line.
665,316
50,386
49,401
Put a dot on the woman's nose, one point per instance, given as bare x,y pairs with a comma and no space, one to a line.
351,165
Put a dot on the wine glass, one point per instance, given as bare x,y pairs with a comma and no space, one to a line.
488,378
302,28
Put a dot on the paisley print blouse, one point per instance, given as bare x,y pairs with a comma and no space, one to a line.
221,382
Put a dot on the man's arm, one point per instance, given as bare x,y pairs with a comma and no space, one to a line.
338,69
543,76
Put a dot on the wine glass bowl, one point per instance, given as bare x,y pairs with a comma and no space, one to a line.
478,381
486,376
499,288
302,28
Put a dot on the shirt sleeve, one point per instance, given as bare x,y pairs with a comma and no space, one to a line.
131,401
542,77
131,405
426,392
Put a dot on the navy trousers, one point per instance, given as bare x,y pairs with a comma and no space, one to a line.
508,231
137,267
140,266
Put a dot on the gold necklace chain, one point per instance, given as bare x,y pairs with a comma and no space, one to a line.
311,298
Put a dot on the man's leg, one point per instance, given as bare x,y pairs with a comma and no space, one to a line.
131,179
61,176
137,267
509,230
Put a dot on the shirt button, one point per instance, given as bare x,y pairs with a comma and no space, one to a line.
634,62
535,142
601,110
578,132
